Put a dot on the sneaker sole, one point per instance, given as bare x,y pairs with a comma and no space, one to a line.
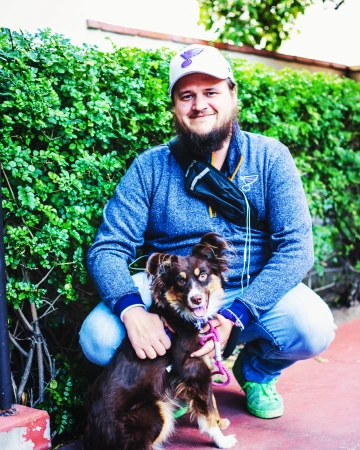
266,414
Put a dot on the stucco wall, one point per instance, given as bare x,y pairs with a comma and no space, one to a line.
69,17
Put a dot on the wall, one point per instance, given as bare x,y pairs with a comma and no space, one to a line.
71,18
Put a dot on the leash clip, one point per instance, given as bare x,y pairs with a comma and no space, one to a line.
222,370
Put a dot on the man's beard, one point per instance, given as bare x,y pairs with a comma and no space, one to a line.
204,144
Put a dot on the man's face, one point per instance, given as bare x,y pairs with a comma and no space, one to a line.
203,103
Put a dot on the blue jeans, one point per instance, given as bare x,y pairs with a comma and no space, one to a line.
299,326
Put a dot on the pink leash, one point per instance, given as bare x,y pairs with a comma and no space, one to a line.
222,370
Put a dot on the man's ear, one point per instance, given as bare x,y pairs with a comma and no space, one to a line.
214,248
234,96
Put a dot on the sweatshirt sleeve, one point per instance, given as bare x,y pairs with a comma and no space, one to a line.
291,243
125,219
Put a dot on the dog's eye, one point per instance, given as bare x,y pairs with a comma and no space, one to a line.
203,276
181,281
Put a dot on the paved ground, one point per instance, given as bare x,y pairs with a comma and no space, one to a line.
322,406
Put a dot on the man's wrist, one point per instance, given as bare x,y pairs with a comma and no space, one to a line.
238,313
127,302
231,317
127,310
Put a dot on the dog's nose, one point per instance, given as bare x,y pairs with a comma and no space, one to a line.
196,299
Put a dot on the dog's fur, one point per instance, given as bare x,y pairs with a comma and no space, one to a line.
131,405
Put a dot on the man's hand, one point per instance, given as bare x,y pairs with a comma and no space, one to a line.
146,333
224,327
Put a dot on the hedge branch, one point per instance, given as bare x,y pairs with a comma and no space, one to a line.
17,345
48,273
26,373
39,341
339,4
14,198
51,365
25,321
8,184
13,385
50,308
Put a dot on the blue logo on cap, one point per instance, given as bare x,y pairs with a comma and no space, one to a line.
188,55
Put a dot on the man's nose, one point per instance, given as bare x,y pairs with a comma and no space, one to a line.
200,103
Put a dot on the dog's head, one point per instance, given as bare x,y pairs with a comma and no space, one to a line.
191,285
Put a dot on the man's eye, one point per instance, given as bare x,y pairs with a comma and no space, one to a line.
186,97
181,281
211,94
203,276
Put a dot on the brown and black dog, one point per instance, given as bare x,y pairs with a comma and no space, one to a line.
131,405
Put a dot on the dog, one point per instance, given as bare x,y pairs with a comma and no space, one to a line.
131,405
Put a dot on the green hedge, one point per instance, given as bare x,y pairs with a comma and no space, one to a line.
71,121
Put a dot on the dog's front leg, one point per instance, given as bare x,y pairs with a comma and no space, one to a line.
221,421
206,412
210,426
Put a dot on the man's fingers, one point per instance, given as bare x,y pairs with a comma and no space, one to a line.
205,329
159,348
140,353
216,323
146,343
153,347
165,340
150,352
204,350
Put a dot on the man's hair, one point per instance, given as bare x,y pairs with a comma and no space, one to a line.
231,84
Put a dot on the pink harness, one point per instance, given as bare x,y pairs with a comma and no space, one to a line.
222,370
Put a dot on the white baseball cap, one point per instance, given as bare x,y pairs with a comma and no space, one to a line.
197,58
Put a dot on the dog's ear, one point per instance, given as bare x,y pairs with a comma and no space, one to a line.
153,263
160,263
214,248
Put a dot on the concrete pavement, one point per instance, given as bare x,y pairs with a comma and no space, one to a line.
322,406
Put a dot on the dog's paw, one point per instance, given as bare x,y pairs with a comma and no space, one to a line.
227,441
223,423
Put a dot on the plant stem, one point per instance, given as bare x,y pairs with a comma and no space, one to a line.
39,351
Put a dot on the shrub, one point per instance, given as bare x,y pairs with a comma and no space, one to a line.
317,116
72,118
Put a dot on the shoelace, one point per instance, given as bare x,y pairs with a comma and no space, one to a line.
222,370
267,388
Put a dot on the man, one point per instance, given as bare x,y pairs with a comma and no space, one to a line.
282,321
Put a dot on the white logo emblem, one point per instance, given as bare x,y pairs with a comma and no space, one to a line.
248,181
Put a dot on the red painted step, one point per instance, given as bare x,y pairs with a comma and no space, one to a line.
27,430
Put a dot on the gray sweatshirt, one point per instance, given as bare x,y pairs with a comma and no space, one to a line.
151,209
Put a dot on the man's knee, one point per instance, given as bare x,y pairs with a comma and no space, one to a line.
102,332
310,326
315,337
100,335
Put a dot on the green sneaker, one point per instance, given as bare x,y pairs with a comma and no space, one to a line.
262,400
181,411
